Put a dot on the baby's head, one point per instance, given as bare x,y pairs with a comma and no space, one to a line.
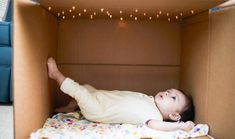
175,105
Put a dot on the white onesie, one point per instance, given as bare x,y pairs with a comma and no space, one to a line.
112,106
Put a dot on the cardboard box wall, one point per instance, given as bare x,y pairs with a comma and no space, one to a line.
195,55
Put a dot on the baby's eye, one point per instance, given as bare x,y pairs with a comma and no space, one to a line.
174,98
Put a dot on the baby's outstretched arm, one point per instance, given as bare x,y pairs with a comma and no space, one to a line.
170,126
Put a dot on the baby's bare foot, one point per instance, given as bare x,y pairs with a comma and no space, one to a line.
52,68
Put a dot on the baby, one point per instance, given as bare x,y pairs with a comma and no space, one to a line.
128,107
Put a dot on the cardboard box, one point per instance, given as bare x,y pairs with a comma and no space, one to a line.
195,54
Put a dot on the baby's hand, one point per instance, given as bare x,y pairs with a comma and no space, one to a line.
186,125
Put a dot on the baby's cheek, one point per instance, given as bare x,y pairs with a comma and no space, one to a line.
169,105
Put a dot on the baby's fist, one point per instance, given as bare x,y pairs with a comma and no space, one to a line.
186,125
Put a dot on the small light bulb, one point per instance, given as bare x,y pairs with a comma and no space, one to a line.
73,16
84,10
63,17
169,19
192,11
58,14
121,18
121,12
108,13
102,9
181,14
62,12
91,16
167,14
79,14
136,10
131,15
94,13
73,7
144,14
157,16
49,8
160,12
136,18
150,18
110,16
70,10
176,17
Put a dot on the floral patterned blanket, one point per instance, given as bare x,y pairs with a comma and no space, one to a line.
75,126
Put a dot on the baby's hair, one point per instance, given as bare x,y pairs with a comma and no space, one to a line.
189,112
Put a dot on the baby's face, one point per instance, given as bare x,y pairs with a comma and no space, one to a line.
170,101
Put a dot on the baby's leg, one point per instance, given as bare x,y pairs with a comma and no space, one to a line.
87,102
54,72
71,107
90,88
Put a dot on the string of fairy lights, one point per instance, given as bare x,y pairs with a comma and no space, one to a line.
135,15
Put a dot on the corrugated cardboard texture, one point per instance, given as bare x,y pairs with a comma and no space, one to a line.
208,69
115,42
109,54
194,61
222,74
35,32
148,80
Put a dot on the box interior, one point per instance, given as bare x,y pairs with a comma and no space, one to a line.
194,54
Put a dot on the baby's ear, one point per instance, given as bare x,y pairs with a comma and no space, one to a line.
175,116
